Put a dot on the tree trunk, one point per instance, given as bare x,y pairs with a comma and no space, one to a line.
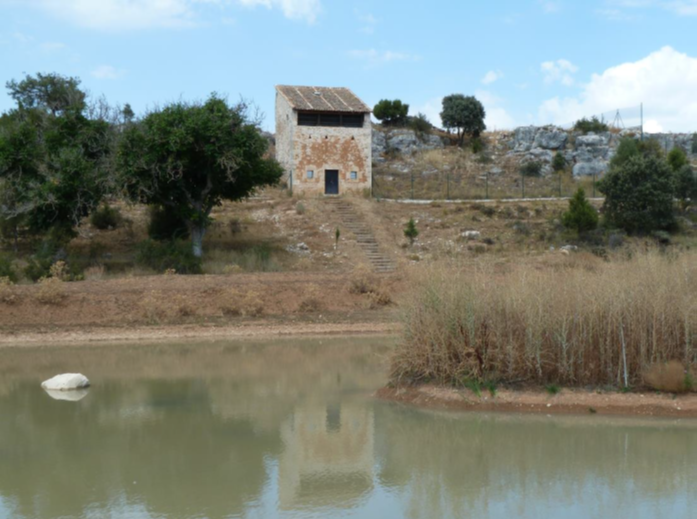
198,231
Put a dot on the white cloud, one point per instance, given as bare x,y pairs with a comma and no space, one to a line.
374,57
665,81
561,71
492,76
117,15
307,10
619,8
368,21
107,72
497,118
550,6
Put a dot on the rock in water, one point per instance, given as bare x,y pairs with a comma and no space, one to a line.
68,396
66,382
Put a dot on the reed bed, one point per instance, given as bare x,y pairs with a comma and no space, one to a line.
572,322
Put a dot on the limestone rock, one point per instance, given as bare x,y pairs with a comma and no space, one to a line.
471,235
593,167
66,382
550,139
523,138
69,396
379,146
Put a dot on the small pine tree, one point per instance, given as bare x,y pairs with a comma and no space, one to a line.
677,159
581,216
410,231
559,163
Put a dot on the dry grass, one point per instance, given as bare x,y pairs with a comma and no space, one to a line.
671,377
235,303
599,323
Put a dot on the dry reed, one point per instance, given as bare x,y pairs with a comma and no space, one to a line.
572,326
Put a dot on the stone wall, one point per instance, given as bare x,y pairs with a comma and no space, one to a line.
588,154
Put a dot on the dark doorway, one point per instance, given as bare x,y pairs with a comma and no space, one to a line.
331,182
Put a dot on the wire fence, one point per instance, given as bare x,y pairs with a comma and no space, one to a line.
455,186
630,118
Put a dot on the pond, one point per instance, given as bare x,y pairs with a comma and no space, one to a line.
289,428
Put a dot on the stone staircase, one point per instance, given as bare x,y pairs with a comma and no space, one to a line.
353,221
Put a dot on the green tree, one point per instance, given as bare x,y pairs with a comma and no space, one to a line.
639,195
685,185
677,159
190,157
627,148
50,92
559,162
465,114
391,113
581,216
53,158
410,231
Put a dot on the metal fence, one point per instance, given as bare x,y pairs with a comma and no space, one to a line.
488,186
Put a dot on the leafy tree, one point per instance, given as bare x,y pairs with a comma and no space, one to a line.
627,148
593,124
410,231
190,157
127,113
558,163
685,185
677,159
50,92
581,216
639,195
464,113
694,143
391,113
53,159
651,147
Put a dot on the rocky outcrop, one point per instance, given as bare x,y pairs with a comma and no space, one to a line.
588,154
403,141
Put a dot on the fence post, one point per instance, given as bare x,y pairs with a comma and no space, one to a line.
560,194
412,185
593,185
448,189
522,183
487,186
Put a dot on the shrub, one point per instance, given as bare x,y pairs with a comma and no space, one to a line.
559,162
477,145
581,216
379,298
172,255
310,305
420,124
166,224
694,143
410,231
106,217
363,281
7,269
685,185
670,377
531,169
300,208
677,159
536,325
51,291
639,195
391,113
8,294
593,124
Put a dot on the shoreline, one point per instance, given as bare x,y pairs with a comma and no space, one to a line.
111,335
567,402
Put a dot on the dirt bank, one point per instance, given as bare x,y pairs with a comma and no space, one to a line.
569,401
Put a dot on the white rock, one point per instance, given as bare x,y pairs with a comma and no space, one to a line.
471,235
66,382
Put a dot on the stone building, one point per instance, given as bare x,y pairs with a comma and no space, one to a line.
323,139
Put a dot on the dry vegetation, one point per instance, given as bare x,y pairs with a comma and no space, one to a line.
596,322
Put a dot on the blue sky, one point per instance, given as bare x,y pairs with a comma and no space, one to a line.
529,61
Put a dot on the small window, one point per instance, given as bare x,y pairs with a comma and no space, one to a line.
354,175
330,119
308,119
310,174
353,121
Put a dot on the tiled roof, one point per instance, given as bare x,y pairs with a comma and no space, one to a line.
322,99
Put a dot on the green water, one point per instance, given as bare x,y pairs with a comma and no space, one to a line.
289,429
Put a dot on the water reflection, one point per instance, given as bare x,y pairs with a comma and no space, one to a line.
289,429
